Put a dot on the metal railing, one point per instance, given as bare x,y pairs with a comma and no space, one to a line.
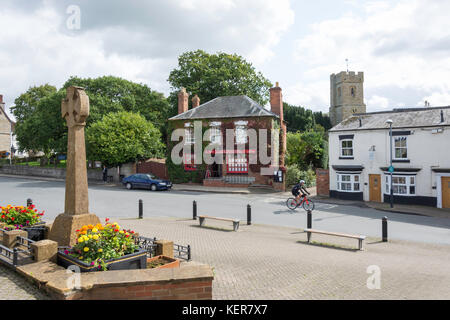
182,252
149,245
10,256
25,242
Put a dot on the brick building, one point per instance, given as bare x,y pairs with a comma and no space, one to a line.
240,162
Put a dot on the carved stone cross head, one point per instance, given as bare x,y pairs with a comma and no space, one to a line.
75,107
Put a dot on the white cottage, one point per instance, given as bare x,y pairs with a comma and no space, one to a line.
359,157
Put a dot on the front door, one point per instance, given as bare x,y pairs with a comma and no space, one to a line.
445,182
375,187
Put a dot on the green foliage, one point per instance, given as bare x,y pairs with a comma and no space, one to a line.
112,94
301,119
122,137
306,149
294,175
214,75
43,129
27,102
40,126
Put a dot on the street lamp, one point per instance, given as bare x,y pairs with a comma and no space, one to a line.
391,168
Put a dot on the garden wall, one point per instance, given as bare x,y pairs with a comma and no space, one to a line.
323,182
59,173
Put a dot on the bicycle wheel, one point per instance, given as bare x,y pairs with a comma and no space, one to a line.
308,205
291,203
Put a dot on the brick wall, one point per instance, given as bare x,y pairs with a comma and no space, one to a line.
186,290
323,182
156,166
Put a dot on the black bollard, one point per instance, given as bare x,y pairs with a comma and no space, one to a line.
194,210
141,209
29,202
249,214
384,227
309,220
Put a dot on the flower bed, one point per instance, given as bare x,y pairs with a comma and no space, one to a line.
24,218
104,247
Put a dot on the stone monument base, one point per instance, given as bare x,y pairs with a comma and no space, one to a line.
65,225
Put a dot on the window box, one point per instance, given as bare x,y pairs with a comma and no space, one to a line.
136,260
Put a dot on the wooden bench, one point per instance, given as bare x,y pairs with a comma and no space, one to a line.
359,237
235,221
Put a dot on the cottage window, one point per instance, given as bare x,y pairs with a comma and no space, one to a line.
401,185
189,136
401,149
347,148
237,163
348,182
216,135
241,134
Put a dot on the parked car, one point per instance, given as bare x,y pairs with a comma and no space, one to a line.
146,181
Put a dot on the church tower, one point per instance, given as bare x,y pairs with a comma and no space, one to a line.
346,95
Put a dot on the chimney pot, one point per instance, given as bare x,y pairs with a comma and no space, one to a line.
195,101
182,101
276,101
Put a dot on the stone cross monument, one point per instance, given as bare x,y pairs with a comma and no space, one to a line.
75,110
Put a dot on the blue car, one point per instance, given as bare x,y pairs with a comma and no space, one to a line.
146,181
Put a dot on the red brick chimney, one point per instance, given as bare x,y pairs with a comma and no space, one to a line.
276,106
276,101
195,101
182,101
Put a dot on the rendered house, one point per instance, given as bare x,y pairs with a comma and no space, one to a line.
240,163
359,157
6,131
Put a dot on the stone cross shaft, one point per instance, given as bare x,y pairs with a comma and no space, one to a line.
75,110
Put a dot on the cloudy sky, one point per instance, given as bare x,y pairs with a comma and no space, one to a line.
403,47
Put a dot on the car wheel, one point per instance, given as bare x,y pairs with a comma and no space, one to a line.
153,187
129,186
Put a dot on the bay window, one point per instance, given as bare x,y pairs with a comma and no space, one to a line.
401,185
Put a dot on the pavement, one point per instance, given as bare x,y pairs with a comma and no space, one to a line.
271,262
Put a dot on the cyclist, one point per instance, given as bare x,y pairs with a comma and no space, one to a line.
299,188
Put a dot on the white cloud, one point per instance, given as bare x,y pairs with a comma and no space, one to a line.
136,40
402,46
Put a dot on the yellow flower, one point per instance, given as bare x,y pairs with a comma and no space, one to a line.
95,230
85,238
90,236
81,258
80,239
121,231
100,250
86,249
95,237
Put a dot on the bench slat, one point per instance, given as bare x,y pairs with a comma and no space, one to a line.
336,234
218,218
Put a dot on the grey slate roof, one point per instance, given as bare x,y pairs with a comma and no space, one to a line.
402,118
226,107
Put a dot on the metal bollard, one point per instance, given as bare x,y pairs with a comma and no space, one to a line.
309,219
194,210
29,202
141,209
249,214
384,227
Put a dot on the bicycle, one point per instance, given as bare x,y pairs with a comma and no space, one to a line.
306,203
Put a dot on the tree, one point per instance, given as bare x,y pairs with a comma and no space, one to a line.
112,94
301,119
43,129
123,137
306,149
26,103
213,75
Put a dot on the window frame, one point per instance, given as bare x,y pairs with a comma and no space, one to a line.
355,179
395,147
215,131
242,136
341,148
408,185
